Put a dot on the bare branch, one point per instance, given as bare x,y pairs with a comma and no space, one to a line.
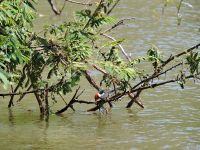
54,8
80,3
91,81
120,22
65,101
95,12
178,55
21,93
100,69
119,95
134,98
22,96
46,104
157,75
83,102
23,76
115,4
120,46
161,83
70,103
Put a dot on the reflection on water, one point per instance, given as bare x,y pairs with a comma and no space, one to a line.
170,119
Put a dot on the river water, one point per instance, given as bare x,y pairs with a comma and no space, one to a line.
170,120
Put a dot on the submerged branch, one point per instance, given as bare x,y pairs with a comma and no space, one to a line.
71,102
83,102
134,98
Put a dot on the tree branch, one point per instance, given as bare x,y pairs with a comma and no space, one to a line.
115,4
134,98
53,7
70,104
83,102
91,81
178,55
95,12
80,3
23,76
120,22
120,46
153,76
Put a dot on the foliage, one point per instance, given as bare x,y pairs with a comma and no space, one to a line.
154,56
193,60
15,29
55,61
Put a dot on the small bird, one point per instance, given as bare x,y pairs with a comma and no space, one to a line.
101,95
100,98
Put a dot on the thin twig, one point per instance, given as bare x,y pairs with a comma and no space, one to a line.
179,7
70,104
119,95
80,3
95,12
115,4
62,98
178,55
23,76
157,75
26,92
120,46
79,94
54,8
22,96
120,22
91,81
65,101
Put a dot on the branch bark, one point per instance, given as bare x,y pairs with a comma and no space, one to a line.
120,22
53,7
70,104
134,98
120,46
80,3
18,85
91,81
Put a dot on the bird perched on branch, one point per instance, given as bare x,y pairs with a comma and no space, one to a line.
100,98
103,95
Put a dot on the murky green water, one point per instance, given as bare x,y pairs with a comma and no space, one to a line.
170,120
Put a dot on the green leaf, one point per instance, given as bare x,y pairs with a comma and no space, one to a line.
4,78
